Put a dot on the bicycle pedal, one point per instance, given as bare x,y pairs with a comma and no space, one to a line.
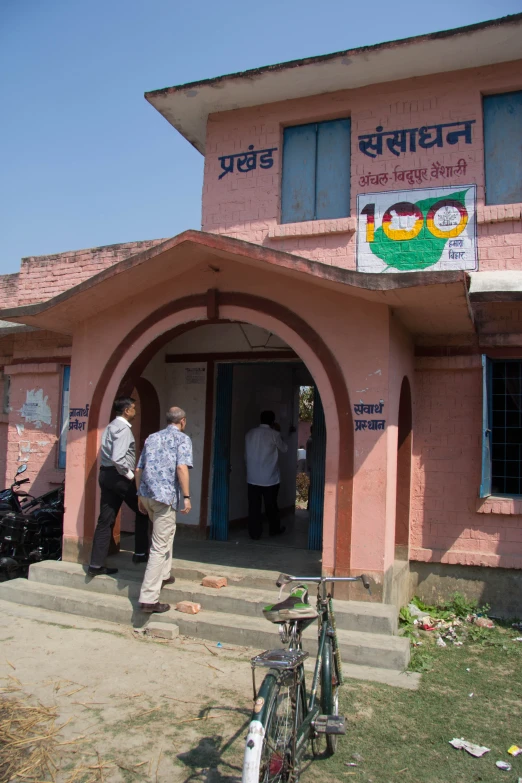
330,724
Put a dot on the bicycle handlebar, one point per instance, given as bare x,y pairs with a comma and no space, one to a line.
284,579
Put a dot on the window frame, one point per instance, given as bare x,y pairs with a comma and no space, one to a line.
64,417
487,427
487,172
316,125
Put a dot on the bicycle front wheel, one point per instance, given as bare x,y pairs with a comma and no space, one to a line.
269,751
328,697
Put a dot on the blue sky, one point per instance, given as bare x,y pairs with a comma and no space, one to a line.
86,161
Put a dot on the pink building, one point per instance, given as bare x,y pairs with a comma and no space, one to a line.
361,231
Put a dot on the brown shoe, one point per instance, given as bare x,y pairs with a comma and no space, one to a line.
169,581
157,607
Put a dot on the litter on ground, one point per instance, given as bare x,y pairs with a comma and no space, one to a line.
469,747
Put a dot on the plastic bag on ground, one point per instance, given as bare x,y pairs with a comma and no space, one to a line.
469,747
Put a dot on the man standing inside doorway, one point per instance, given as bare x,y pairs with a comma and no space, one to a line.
262,447
162,477
118,459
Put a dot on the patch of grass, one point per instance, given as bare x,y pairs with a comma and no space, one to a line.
404,735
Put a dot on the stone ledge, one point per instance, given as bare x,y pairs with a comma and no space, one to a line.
38,368
499,213
473,362
495,504
313,228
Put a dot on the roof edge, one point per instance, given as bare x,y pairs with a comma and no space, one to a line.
288,64
239,247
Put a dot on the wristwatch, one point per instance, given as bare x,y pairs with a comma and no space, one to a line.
186,497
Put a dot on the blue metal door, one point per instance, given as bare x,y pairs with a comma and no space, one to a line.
315,527
220,478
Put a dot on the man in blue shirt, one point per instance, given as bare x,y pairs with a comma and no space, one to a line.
162,477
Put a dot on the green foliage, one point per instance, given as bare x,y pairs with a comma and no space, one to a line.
306,403
302,486
421,660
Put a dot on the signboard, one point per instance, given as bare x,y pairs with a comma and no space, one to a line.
426,229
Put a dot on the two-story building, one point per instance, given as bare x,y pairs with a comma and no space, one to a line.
361,232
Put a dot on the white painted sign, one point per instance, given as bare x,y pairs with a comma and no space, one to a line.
426,229
35,408
195,375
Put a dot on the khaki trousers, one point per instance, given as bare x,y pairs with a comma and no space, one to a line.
163,520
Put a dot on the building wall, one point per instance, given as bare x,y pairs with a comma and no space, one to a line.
42,277
356,331
247,205
32,366
449,522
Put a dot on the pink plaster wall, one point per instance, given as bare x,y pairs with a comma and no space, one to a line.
27,441
49,352
246,205
446,525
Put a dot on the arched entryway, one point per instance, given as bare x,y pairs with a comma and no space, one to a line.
124,368
404,445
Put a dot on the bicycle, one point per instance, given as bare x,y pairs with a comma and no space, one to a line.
284,718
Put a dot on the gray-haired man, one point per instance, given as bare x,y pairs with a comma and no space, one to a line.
162,477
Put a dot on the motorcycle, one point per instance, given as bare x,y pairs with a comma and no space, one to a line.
13,500
31,533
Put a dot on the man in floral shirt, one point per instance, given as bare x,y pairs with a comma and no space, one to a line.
162,477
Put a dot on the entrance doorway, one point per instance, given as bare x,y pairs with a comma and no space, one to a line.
223,388
243,390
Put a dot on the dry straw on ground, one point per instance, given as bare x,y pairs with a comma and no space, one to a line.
30,744
27,737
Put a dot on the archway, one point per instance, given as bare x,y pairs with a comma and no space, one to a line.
129,358
404,444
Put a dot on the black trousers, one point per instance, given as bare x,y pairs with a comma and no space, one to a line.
256,495
115,490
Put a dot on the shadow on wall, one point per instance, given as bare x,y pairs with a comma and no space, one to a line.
452,546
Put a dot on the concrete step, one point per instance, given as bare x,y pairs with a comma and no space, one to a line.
246,601
195,570
367,649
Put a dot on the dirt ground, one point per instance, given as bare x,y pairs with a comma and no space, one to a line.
132,708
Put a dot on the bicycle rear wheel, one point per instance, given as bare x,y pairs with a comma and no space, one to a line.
269,752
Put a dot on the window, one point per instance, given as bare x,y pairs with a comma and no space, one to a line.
502,435
64,417
316,171
6,393
503,147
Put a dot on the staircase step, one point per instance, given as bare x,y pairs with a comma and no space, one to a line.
376,650
233,599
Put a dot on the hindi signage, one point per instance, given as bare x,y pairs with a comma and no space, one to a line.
246,161
415,230
408,139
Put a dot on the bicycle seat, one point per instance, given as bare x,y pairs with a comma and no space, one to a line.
295,607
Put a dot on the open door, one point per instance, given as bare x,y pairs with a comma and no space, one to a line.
315,528
220,479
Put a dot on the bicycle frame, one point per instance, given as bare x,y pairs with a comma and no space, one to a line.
284,664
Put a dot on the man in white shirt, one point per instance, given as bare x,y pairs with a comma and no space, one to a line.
262,447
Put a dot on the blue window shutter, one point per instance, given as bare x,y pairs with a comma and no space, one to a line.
503,147
64,418
333,170
298,186
485,486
